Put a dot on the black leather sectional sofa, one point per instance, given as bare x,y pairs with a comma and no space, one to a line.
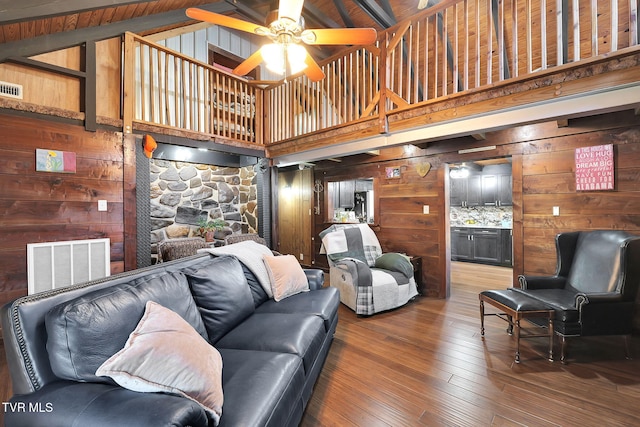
272,352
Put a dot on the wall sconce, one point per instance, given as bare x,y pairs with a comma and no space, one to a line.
149,145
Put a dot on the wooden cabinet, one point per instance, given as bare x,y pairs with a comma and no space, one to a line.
483,245
461,244
496,186
507,247
347,191
466,192
486,245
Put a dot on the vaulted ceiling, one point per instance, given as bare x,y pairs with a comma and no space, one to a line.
29,27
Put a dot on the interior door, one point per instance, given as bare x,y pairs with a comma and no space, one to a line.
295,191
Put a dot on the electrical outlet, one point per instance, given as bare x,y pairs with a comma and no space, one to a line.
556,211
425,209
102,205
301,257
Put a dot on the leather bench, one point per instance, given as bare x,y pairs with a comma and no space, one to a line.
515,306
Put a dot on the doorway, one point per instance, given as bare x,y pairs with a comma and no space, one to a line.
480,222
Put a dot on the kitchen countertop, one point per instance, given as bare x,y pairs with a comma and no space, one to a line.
499,227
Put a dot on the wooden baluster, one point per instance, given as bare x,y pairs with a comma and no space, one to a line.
614,26
633,22
594,28
576,30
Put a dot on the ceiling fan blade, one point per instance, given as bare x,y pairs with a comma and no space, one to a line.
313,70
346,36
248,64
226,21
290,9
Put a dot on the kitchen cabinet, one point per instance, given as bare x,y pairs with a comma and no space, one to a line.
347,191
496,186
483,245
486,245
461,244
507,247
466,192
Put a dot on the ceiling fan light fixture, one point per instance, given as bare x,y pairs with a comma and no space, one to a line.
277,56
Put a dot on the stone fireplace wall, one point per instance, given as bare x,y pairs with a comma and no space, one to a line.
184,193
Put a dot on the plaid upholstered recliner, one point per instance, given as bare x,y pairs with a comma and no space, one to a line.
369,281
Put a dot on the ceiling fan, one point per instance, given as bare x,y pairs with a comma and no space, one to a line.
285,27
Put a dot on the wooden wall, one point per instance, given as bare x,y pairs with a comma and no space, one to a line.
56,92
42,206
543,177
295,189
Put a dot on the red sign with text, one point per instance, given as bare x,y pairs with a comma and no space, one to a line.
594,168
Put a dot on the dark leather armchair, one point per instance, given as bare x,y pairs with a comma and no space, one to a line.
595,286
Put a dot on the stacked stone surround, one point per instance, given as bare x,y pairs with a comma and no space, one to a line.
184,193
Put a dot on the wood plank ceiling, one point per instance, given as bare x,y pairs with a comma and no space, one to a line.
30,27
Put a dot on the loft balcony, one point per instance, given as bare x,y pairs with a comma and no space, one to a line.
458,68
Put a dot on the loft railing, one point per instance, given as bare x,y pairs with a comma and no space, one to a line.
167,89
349,92
453,47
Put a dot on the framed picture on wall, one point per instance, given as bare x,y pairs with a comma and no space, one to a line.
393,172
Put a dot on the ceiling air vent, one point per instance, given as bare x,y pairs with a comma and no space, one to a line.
10,90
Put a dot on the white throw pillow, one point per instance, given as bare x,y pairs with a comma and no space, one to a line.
165,354
286,276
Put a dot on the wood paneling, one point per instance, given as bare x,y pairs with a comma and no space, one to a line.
295,190
543,177
43,206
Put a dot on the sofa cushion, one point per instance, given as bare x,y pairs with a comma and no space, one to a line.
286,276
165,354
322,302
261,388
221,293
84,332
257,291
299,334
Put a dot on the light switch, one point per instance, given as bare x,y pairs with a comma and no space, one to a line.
102,205
556,211
425,209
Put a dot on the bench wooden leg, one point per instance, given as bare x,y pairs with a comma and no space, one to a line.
481,317
551,333
563,351
517,340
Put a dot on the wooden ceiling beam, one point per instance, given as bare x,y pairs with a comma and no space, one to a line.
31,10
248,12
375,12
58,41
314,14
344,14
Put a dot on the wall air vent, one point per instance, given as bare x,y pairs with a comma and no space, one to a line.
55,265
11,90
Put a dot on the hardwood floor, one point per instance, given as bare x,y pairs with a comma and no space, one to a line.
425,364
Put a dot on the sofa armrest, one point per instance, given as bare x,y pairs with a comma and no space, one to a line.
66,403
541,282
315,277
